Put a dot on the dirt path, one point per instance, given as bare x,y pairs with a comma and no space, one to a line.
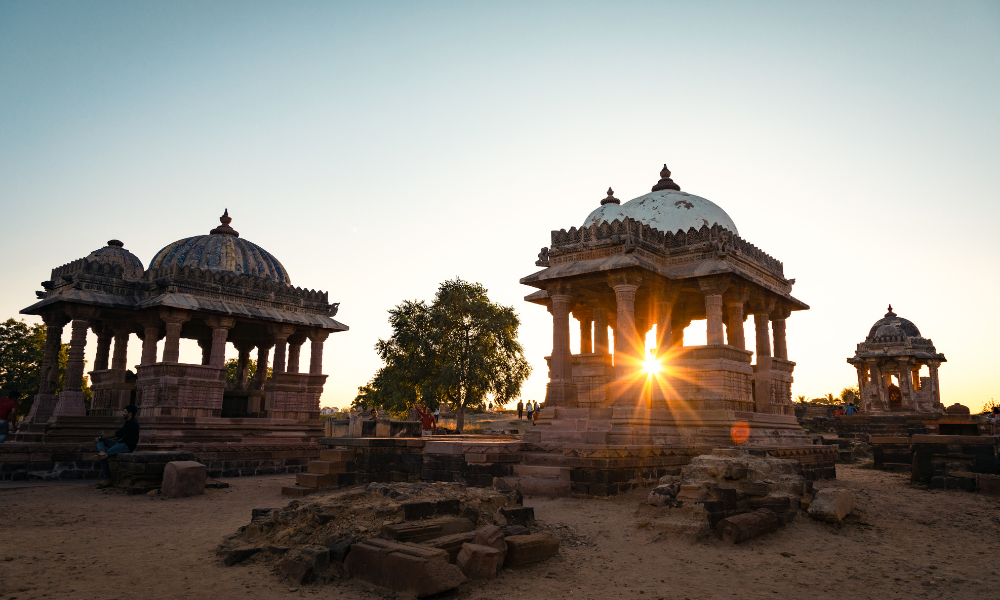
71,541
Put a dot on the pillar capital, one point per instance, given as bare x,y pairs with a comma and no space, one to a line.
317,335
55,319
780,312
174,315
220,322
761,305
736,295
280,330
633,280
713,285
82,312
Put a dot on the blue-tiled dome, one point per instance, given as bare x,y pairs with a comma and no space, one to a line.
116,254
222,250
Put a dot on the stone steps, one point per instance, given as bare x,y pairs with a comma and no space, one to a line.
539,487
335,469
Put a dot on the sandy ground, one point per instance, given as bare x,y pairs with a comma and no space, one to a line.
62,540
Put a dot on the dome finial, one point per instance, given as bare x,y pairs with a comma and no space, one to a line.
665,182
890,313
611,198
116,243
225,229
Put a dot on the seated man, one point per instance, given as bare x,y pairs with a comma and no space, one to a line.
125,441
7,409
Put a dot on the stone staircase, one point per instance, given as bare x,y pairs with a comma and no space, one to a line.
541,474
335,468
571,426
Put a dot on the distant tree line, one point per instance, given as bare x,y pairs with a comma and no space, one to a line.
22,347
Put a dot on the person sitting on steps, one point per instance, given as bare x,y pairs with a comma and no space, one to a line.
125,441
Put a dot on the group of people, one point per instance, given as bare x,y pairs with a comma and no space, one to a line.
532,410
848,410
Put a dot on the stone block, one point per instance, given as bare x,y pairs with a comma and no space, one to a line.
405,568
316,480
452,544
478,561
336,455
340,550
295,570
235,557
184,478
831,505
317,557
324,467
747,526
492,536
524,515
514,530
422,531
529,549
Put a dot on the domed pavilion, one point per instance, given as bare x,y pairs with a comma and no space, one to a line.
218,289
661,262
889,364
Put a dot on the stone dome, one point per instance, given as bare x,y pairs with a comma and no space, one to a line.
222,250
116,254
667,209
892,325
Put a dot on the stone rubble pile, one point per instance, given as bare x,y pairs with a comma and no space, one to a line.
418,539
738,496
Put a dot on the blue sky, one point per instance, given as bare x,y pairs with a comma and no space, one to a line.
378,149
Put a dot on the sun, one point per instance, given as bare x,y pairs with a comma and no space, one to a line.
652,366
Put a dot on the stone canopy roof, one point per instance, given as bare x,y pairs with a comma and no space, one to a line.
891,337
262,294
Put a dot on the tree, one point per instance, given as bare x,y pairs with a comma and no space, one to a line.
232,370
461,349
850,394
22,348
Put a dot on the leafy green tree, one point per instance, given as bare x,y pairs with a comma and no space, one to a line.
22,348
850,394
461,350
232,370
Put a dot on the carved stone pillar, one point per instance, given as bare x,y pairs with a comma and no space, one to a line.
905,387
281,334
600,331
220,333
780,347
664,298
150,338
586,319
317,337
174,319
762,366
736,336
260,375
760,322
74,366
625,334
119,360
295,342
932,368
206,351
103,356
50,359
243,363
561,353
712,289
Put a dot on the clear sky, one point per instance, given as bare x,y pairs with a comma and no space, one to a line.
378,149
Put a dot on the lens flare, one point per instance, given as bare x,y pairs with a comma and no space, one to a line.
740,432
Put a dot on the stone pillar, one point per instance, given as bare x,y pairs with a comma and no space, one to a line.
625,334
102,358
260,375
150,338
50,358
734,331
71,402
780,347
206,351
712,289
905,385
295,342
932,368
119,360
243,363
74,366
664,298
586,319
220,333
317,337
600,331
175,319
561,353
281,334
762,366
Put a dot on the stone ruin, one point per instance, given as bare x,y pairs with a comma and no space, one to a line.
412,538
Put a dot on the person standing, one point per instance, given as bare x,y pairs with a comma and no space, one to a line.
530,409
520,410
125,441
7,409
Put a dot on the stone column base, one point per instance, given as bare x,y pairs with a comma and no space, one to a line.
560,393
41,408
70,404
